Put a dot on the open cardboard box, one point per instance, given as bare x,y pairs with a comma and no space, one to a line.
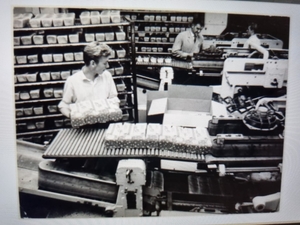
184,105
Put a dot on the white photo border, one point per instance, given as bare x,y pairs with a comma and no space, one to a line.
290,194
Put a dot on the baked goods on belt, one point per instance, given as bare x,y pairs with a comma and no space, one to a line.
122,140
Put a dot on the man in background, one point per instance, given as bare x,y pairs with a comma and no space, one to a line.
188,42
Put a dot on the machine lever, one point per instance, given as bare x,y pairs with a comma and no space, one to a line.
128,176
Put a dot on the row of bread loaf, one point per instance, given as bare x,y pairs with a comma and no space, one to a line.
167,137
95,111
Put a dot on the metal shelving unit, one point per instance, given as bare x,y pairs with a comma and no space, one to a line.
128,77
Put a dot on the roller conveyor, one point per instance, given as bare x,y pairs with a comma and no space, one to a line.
90,143
78,143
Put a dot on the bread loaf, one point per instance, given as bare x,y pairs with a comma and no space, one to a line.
166,140
152,135
77,119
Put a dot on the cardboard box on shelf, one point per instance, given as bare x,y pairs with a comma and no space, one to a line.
183,105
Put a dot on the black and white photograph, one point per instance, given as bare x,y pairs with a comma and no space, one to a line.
149,113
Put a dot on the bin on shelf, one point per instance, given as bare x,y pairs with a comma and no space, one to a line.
38,39
58,57
34,94
27,39
51,39
95,17
47,58
69,19
47,20
85,17
58,19
74,38
62,39
31,77
45,76
38,110
69,56
100,37
55,75
32,58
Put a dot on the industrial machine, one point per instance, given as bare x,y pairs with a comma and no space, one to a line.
239,173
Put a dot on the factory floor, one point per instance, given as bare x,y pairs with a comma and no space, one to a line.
32,206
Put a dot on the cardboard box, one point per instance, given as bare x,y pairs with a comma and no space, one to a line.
182,105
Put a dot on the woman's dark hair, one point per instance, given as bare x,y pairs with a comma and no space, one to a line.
94,51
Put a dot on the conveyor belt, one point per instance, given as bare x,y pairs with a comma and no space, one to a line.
76,143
